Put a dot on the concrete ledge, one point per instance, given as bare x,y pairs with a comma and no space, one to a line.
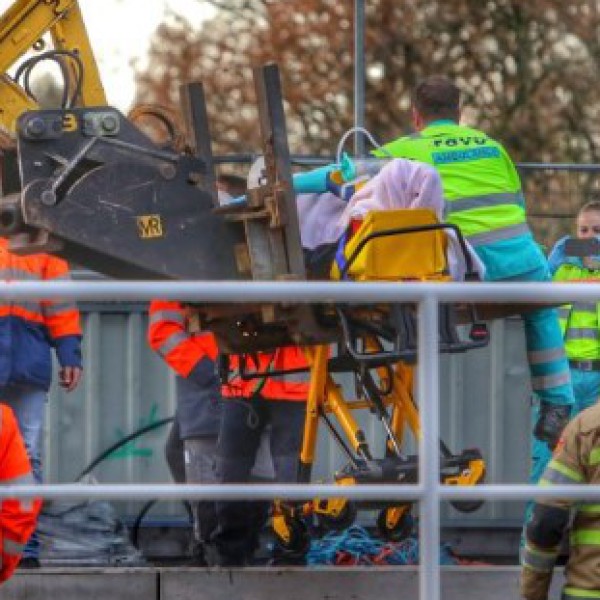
342,583
82,584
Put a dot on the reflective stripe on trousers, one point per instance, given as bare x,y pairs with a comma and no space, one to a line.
538,560
548,364
550,375
549,368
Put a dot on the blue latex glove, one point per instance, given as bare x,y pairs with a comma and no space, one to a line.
558,257
313,182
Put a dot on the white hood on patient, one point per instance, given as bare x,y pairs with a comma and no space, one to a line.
401,183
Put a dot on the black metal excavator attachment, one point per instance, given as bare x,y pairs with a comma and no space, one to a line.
88,185
97,191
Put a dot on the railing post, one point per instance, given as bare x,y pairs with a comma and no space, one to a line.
359,74
429,452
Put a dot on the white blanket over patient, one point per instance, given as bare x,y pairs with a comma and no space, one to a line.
401,183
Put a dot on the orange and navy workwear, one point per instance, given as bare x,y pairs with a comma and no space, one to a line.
17,517
168,335
188,354
285,387
192,357
29,328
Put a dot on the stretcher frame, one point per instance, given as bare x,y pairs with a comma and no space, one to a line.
326,402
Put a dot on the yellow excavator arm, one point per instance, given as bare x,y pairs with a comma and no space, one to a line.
22,27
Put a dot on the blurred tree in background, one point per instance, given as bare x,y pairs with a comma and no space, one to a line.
528,71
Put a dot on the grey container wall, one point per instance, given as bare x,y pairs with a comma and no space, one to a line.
484,403
125,387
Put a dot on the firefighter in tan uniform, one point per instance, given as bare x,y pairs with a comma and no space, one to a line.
576,460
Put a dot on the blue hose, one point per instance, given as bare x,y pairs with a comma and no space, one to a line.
355,546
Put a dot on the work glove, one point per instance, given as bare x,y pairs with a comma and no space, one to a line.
551,422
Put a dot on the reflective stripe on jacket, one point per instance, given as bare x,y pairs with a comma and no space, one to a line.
168,335
192,357
17,517
576,461
293,386
29,328
579,322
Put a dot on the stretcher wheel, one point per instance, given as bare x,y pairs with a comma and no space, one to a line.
468,506
297,539
395,523
344,519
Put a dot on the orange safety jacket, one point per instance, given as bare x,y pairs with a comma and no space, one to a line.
283,387
168,335
29,328
17,517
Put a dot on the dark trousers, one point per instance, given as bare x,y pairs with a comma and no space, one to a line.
193,461
240,523
174,454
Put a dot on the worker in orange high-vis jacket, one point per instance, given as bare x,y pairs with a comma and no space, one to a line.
249,407
29,330
17,516
198,407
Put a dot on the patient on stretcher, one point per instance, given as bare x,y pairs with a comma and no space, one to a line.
327,222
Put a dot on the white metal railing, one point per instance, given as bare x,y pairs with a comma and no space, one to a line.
429,492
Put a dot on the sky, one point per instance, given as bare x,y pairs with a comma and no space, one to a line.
120,32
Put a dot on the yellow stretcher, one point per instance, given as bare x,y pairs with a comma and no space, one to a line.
379,347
